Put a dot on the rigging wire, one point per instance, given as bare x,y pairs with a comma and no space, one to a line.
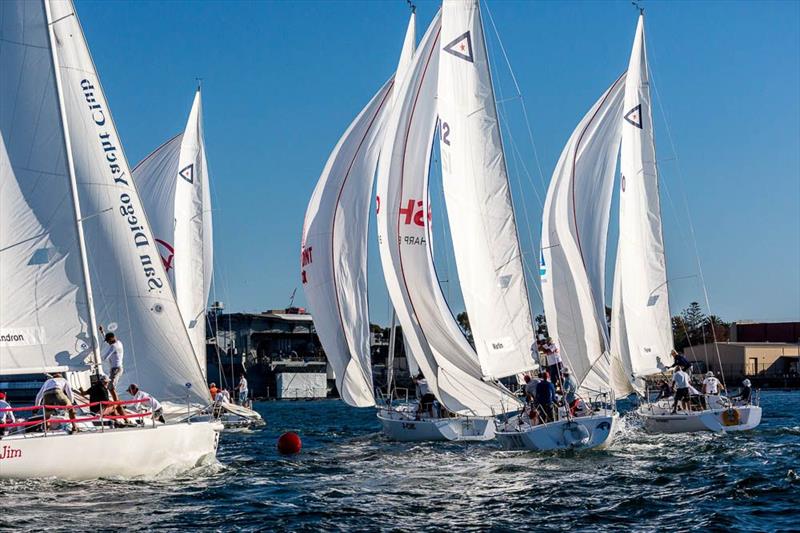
692,233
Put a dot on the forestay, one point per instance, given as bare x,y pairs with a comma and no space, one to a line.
130,284
175,189
641,326
478,197
432,334
333,263
574,233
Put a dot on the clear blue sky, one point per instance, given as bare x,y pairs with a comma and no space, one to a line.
282,80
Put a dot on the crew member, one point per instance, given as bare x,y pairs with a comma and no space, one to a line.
546,398
98,392
711,387
664,389
242,388
56,391
746,393
6,417
530,396
114,355
570,388
212,389
554,362
680,362
680,381
146,403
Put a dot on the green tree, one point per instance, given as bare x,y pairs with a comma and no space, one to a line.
694,319
714,328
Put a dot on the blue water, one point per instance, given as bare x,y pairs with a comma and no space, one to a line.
349,477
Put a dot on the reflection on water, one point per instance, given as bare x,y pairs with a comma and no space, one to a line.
348,476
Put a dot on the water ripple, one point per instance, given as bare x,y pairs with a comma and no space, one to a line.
350,477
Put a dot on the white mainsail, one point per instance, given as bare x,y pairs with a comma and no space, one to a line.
641,329
44,312
174,186
478,197
574,233
432,335
129,282
333,259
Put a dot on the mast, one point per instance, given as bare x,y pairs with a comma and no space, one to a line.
74,190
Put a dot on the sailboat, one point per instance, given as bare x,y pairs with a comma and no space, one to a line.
76,249
175,190
463,378
574,228
641,329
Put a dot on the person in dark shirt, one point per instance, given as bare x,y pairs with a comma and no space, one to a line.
664,390
99,392
746,393
681,362
546,398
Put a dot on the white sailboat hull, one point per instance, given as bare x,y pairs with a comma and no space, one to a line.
716,420
595,431
401,425
126,453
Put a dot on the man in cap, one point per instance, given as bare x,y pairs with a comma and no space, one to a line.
98,392
146,403
114,355
746,393
570,388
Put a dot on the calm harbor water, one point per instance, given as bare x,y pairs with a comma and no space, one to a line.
349,477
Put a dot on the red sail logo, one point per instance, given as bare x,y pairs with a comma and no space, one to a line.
170,256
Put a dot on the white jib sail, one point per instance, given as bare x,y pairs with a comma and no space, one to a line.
574,234
44,316
174,186
641,325
333,259
478,197
131,289
435,341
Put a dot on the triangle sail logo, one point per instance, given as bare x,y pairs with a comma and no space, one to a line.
461,47
187,173
634,116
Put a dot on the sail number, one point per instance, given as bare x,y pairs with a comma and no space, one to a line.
445,133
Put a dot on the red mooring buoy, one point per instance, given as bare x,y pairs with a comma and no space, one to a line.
289,443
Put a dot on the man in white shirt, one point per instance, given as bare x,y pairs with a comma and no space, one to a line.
681,382
6,417
146,403
114,355
711,387
243,392
554,362
57,392
222,397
